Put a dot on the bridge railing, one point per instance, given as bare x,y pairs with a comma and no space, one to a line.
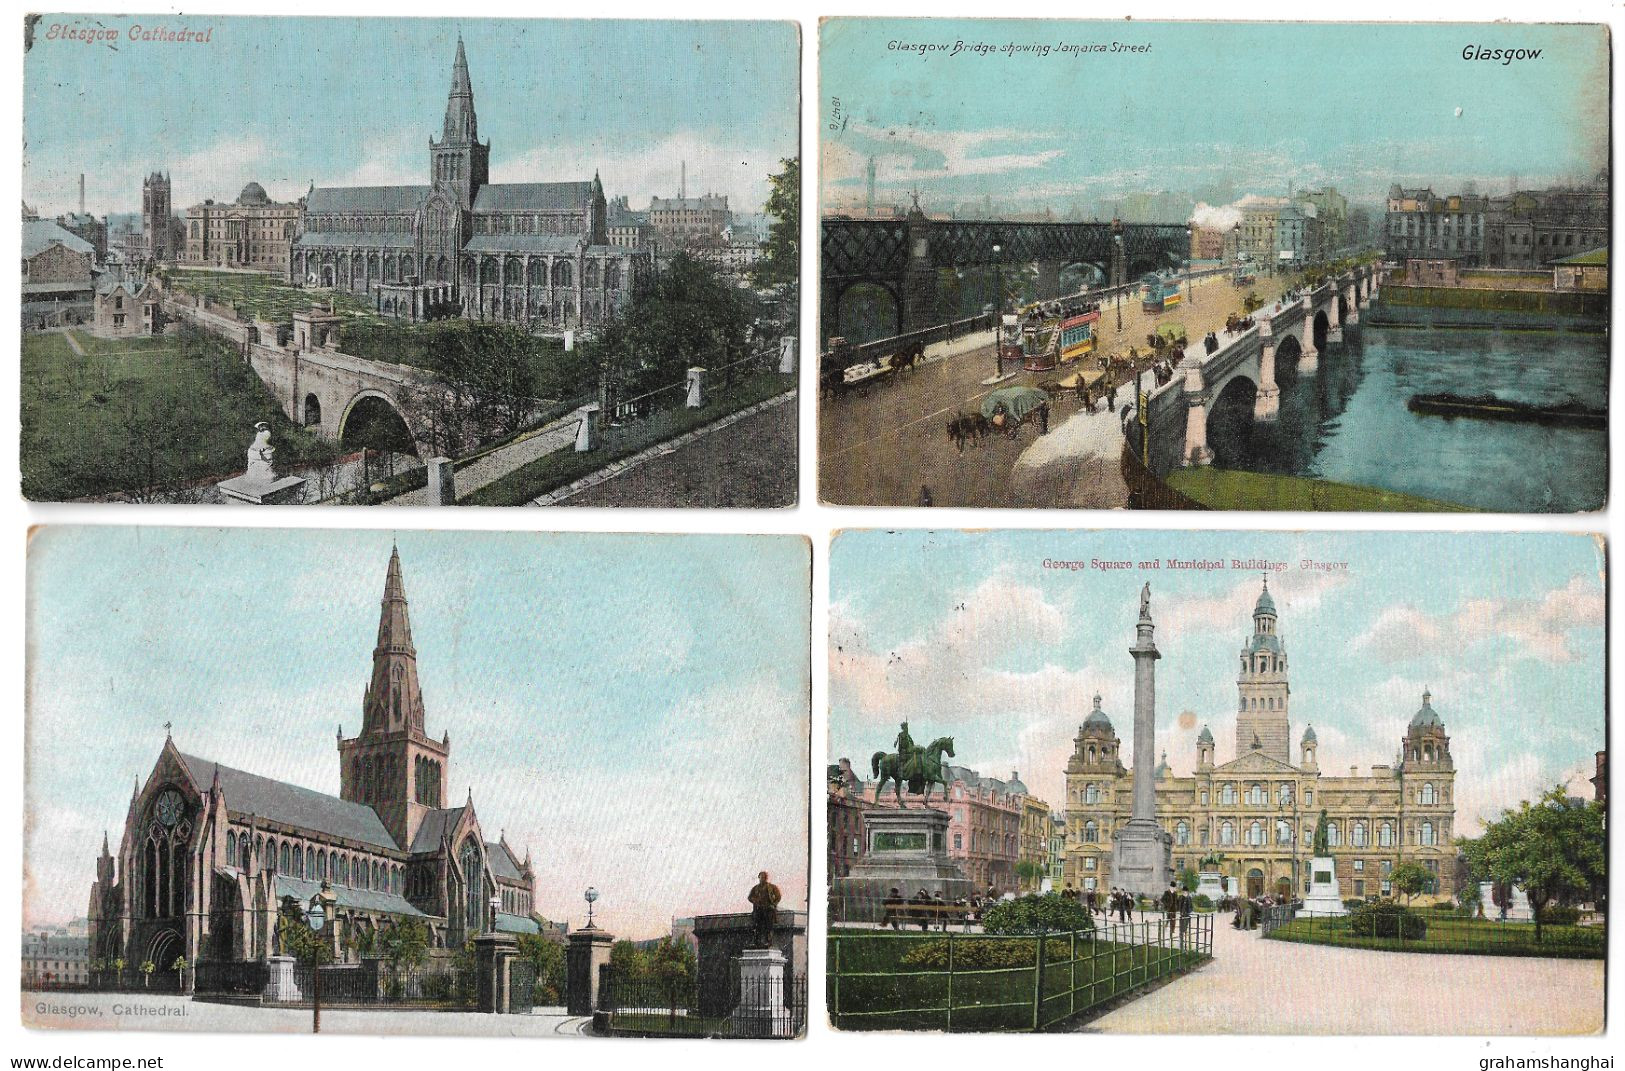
867,352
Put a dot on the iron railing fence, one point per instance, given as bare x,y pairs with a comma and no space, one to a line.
657,1007
1435,931
619,410
880,980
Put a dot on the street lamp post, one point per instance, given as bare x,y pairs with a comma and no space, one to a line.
1190,234
317,916
591,896
998,311
1122,284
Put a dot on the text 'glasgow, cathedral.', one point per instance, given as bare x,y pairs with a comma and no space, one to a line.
209,852
1258,811
531,253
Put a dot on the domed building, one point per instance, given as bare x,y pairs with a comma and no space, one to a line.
253,233
1258,810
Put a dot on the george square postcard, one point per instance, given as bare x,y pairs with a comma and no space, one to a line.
567,790
413,261
1297,266
1168,782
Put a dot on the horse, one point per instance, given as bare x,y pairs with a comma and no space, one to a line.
930,770
907,359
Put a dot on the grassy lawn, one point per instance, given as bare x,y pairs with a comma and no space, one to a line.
892,994
1233,489
565,466
1452,934
140,416
266,297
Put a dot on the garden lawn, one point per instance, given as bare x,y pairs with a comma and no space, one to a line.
529,482
1219,488
139,415
1453,934
895,995
266,297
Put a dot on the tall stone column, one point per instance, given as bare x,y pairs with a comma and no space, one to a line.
1142,853
1267,405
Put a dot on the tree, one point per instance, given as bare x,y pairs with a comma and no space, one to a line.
297,939
627,959
1189,879
672,965
1408,879
779,270
547,956
404,943
1030,872
1556,848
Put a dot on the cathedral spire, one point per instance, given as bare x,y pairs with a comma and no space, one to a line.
461,125
393,701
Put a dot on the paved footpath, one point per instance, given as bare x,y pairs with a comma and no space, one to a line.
176,1014
1258,986
498,463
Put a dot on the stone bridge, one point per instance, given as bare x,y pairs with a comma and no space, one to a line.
1242,371
320,387
903,256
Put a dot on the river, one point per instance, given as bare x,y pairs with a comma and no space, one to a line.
1348,422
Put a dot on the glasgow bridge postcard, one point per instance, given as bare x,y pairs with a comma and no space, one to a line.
567,790
410,261
1075,782
1299,266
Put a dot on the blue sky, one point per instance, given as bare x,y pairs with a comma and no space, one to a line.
969,635
632,708
354,101
1253,105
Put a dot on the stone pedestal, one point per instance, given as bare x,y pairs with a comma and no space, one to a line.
279,983
1517,911
588,952
906,853
243,490
761,1012
1324,897
493,952
1142,858
1210,883
696,388
442,486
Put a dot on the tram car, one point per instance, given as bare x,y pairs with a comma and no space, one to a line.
1160,294
1078,335
1010,335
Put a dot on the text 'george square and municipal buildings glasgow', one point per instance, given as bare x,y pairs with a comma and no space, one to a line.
209,852
531,253
1258,811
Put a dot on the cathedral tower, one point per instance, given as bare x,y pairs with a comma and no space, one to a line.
1262,687
156,212
393,766
458,160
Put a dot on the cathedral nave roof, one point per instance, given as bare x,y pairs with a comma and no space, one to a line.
365,199
292,805
433,827
531,196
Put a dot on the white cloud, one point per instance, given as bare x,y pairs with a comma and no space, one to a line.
1537,627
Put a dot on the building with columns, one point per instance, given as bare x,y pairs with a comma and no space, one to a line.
209,852
1258,810
252,232
535,254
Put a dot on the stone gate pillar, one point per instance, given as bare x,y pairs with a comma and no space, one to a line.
1197,451
588,952
1267,406
493,953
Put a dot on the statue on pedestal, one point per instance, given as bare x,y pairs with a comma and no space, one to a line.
1322,841
260,455
764,911
919,767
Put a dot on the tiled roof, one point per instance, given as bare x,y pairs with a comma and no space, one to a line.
503,865
365,199
523,243
507,923
361,899
434,826
355,238
531,196
292,805
40,234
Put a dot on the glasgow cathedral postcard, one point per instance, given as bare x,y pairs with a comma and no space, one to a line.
567,793
1208,265
1075,782
493,262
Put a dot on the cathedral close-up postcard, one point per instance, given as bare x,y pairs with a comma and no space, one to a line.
410,261
430,788
1253,266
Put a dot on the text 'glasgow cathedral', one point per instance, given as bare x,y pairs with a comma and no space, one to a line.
209,852
536,254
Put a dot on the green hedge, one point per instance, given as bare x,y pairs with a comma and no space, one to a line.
1387,919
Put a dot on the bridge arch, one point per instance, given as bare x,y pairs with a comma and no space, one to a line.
312,411
857,307
372,420
1230,419
1319,329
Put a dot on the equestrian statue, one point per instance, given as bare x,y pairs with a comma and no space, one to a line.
920,767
